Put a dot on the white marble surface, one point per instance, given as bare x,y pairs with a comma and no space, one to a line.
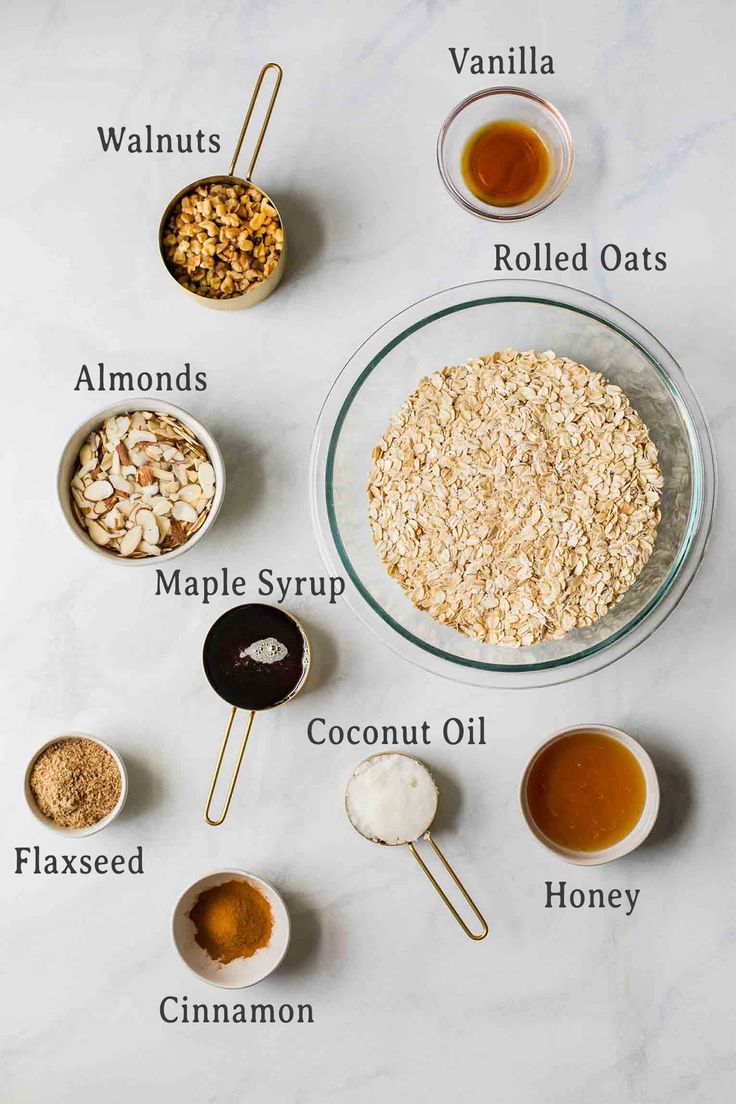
554,1007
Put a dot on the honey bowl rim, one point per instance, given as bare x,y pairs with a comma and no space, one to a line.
638,833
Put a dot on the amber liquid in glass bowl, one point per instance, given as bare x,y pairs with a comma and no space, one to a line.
586,791
505,163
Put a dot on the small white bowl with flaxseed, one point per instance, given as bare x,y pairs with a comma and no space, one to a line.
76,784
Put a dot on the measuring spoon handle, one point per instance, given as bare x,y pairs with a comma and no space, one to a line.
484,926
234,779
259,142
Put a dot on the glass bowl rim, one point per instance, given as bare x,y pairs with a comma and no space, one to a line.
495,214
701,459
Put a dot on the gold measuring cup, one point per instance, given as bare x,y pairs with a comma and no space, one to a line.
423,834
261,291
236,629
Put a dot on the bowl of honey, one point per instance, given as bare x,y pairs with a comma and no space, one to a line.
590,794
505,154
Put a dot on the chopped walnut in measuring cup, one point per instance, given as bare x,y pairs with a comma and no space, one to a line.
222,239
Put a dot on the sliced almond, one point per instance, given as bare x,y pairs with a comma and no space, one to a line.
86,468
98,490
190,493
182,511
146,476
177,534
150,529
98,534
164,527
131,540
113,520
120,483
206,474
136,436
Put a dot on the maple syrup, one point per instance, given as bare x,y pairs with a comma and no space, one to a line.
586,791
256,656
505,163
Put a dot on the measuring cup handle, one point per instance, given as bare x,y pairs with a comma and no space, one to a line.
279,74
234,779
484,927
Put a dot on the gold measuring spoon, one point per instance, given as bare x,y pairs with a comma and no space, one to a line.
256,657
258,292
416,791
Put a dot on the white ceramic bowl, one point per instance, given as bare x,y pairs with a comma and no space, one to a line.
30,801
242,972
68,463
641,829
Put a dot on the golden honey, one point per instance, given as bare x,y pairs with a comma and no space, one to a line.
586,791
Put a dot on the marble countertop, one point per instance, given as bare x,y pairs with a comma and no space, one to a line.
555,1007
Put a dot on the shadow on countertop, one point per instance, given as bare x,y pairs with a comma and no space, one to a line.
146,788
677,799
306,933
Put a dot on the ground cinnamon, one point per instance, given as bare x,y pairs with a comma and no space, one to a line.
232,920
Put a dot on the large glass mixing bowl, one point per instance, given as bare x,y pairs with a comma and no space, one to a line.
450,328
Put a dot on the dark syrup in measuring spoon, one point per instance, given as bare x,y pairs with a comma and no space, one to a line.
255,656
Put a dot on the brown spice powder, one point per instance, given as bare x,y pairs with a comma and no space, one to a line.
232,920
75,783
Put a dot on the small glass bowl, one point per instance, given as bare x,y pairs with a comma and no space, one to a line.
492,105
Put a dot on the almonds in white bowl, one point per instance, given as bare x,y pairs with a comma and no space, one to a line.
141,483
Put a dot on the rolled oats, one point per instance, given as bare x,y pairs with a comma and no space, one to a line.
516,497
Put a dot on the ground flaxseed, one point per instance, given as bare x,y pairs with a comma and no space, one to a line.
75,783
